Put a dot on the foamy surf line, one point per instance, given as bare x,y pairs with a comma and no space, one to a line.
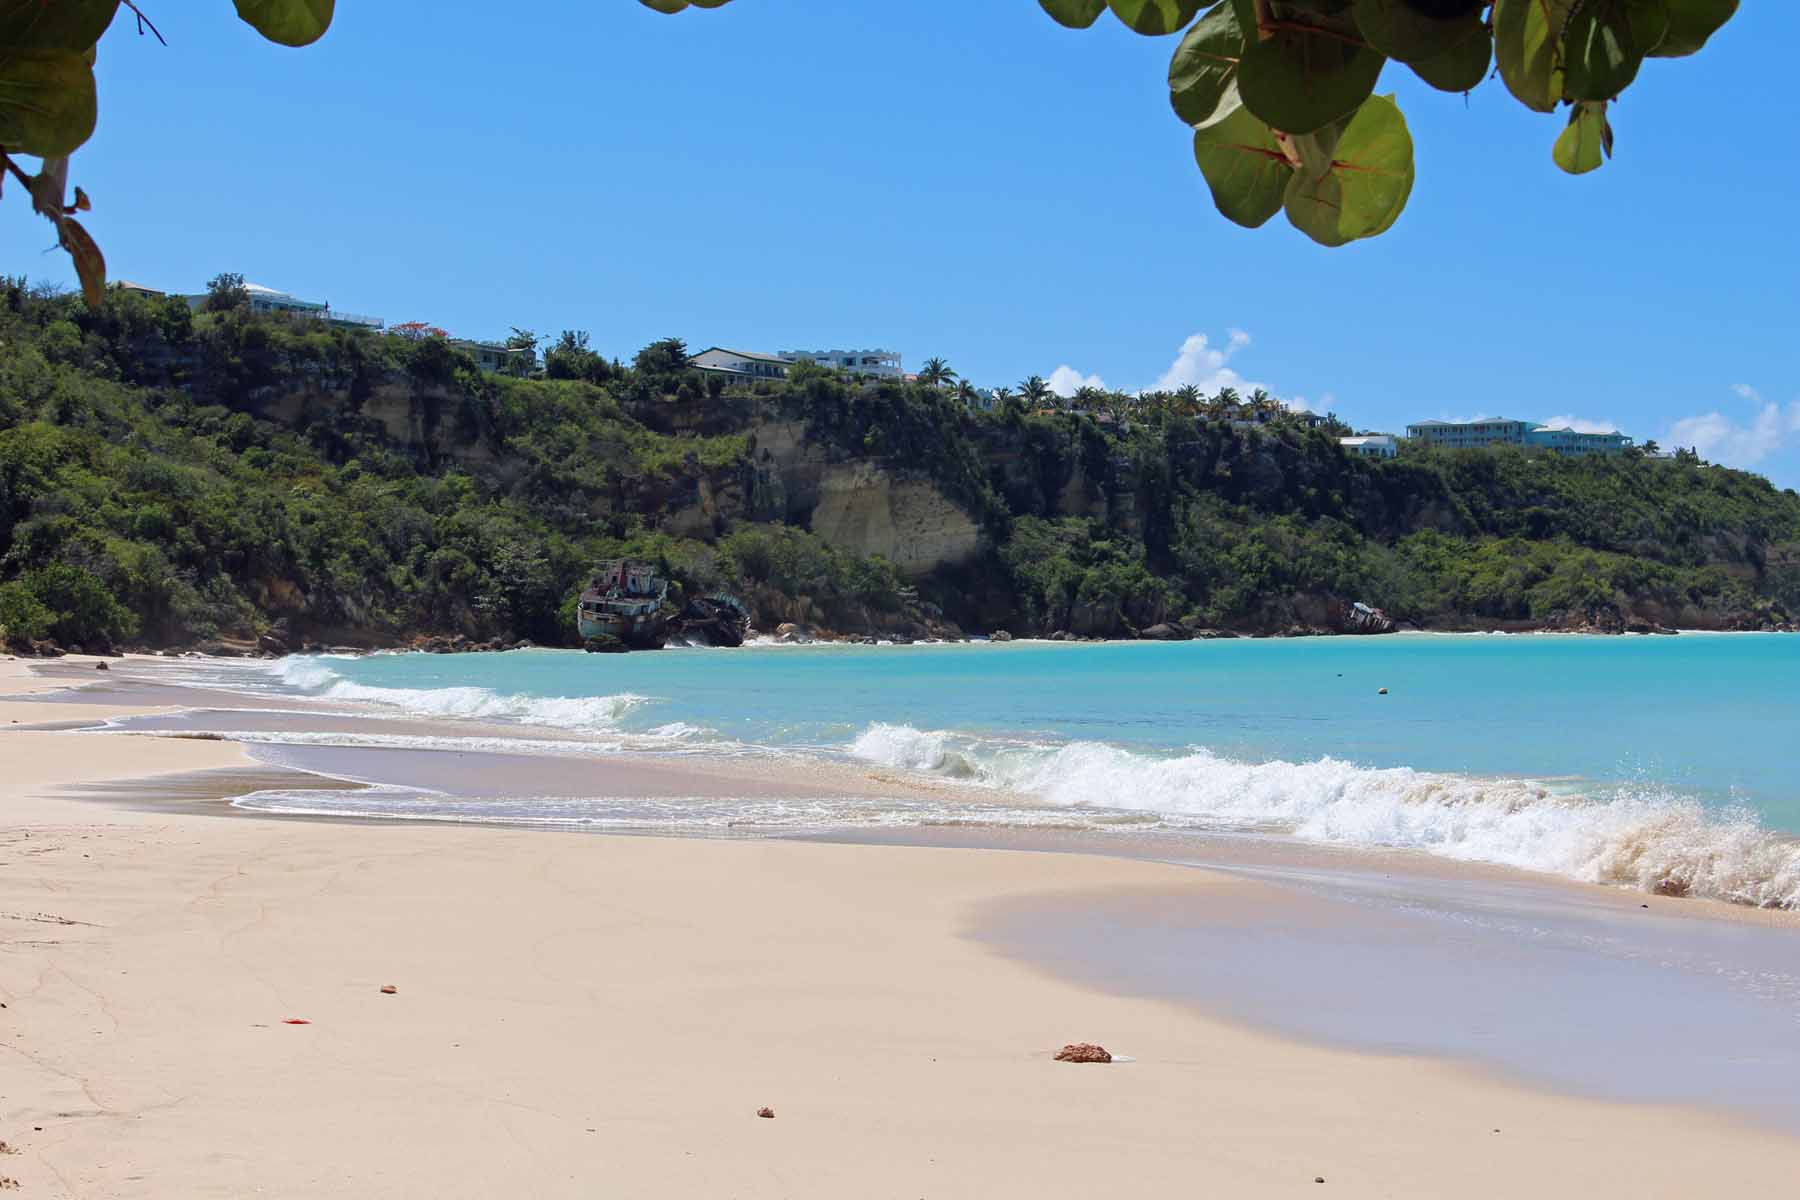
312,677
762,816
1646,838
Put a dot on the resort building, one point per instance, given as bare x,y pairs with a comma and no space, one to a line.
1503,431
1371,445
268,300
741,366
1568,441
497,358
1471,435
877,364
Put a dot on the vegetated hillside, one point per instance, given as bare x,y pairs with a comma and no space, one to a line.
171,478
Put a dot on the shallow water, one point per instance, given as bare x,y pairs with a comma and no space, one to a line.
1535,980
1647,762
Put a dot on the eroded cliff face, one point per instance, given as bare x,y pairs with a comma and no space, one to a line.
858,506
863,509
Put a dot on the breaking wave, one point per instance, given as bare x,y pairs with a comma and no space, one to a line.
1646,838
315,678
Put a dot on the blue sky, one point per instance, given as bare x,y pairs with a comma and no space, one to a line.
960,178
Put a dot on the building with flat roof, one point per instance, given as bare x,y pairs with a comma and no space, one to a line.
497,358
1371,445
1504,431
1471,435
740,366
878,364
269,300
1570,441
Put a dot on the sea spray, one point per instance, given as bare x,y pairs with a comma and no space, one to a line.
1645,837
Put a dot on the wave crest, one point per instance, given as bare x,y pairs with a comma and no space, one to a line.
313,677
1646,838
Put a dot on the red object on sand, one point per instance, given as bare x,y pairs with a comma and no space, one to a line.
296,1021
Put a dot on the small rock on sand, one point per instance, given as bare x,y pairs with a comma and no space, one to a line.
388,989
766,1113
1083,1052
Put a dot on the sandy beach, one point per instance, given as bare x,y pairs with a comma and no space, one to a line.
596,1015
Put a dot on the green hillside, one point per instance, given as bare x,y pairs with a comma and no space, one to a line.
170,478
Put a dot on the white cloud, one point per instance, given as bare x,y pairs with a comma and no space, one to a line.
1198,362
1206,366
1581,424
1723,439
1065,381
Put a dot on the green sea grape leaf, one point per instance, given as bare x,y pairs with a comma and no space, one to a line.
1155,18
56,25
1460,68
1606,42
1203,73
1318,150
1076,14
288,22
1366,188
1298,82
1244,167
1528,48
47,104
1586,143
1397,29
1691,23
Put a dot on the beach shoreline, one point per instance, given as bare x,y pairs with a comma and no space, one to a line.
608,1012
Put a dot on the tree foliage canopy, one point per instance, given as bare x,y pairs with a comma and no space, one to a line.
1281,94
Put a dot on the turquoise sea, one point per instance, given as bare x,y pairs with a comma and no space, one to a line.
1643,761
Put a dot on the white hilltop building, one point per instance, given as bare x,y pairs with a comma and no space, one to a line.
877,364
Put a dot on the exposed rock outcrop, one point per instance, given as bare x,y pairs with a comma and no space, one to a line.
863,509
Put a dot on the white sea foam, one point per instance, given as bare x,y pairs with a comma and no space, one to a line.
1645,838
315,677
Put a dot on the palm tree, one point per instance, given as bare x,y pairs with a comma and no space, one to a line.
1651,449
1035,392
1088,398
936,373
965,393
1187,400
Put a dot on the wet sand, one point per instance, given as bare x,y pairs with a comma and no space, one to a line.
600,1014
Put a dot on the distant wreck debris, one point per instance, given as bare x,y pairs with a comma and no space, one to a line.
627,607
718,619
1363,618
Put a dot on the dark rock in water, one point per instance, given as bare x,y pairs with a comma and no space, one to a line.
1083,1052
100,666
605,644
1382,692
1165,631
1000,635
